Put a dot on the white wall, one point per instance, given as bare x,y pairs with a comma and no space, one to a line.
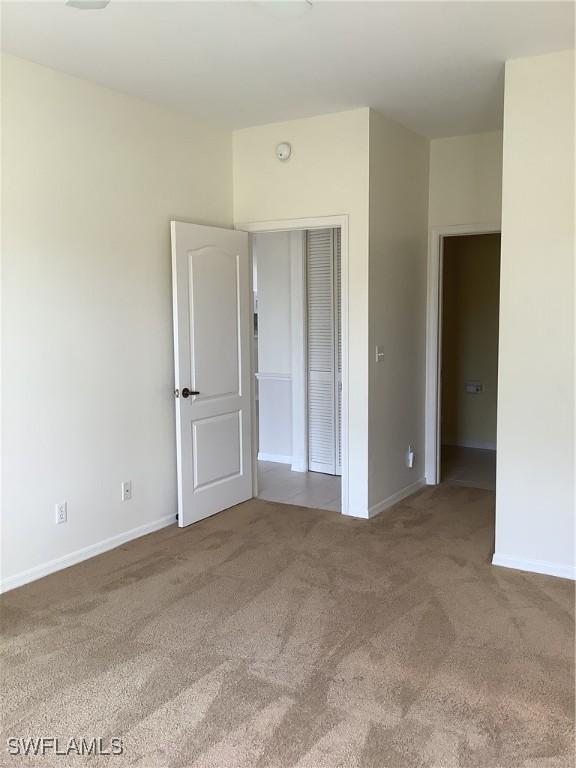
535,466
272,253
466,179
327,175
91,179
398,246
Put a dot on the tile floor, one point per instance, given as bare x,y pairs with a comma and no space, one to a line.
277,482
473,467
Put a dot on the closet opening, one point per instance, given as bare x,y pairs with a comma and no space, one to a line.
297,365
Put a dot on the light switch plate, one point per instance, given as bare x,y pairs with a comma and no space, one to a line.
126,490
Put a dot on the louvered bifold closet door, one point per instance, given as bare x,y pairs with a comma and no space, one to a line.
338,332
322,355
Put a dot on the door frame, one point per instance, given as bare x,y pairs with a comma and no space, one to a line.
288,225
434,336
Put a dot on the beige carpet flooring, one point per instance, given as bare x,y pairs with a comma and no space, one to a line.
273,635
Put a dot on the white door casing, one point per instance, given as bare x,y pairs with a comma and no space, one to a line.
211,306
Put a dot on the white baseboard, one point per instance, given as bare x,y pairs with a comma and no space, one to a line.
473,444
375,509
45,569
277,457
299,466
535,566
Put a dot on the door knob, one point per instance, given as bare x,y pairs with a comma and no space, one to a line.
187,392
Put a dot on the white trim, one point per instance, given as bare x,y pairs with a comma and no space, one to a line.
400,495
434,337
535,566
408,490
263,376
277,457
322,222
45,569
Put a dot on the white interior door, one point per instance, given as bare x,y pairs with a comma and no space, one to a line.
210,277
324,350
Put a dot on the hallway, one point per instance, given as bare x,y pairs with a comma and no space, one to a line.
472,467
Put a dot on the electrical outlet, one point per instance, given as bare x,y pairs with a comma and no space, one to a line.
410,457
127,490
61,511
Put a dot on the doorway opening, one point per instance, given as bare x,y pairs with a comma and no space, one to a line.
297,364
462,355
470,288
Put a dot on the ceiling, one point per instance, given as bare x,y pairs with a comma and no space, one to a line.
435,67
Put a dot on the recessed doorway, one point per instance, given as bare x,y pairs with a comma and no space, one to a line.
463,326
297,360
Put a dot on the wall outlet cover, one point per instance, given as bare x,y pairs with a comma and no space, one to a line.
61,510
410,457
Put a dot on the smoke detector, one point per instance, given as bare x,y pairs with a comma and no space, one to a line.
283,151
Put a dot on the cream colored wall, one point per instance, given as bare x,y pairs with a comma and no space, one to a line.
471,272
91,179
398,247
327,175
466,180
535,468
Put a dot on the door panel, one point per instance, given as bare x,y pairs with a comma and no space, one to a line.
323,350
338,350
217,449
214,324
210,272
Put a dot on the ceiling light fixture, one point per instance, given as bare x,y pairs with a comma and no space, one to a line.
88,5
